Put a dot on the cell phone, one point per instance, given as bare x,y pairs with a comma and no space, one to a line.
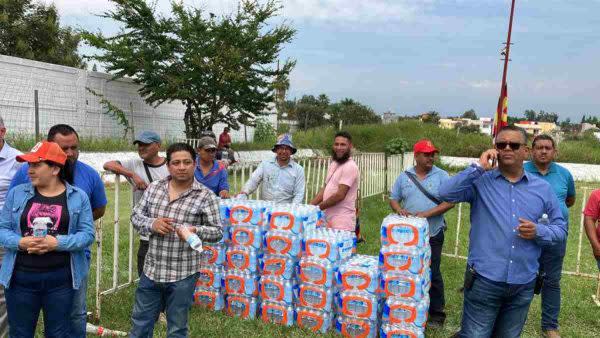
539,283
470,275
494,160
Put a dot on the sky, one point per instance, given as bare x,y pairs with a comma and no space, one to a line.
412,56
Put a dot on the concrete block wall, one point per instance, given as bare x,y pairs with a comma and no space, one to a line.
63,98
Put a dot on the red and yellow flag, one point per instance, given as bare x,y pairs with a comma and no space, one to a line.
501,117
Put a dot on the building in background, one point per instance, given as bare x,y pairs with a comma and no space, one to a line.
536,128
484,124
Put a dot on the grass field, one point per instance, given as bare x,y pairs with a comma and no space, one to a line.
579,316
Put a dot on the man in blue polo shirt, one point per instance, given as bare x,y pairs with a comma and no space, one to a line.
543,152
415,202
87,179
210,172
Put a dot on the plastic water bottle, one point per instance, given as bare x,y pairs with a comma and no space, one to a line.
358,304
195,242
544,220
282,314
40,226
401,258
242,258
405,285
278,265
316,297
404,231
314,320
242,306
283,243
210,277
277,289
355,327
213,254
247,235
399,310
401,330
316,271
210,298
360,273
238,282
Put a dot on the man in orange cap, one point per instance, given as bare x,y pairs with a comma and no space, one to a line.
415,193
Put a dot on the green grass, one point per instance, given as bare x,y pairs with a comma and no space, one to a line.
579,315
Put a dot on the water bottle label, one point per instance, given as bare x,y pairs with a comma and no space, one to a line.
313,273
318,248
281,221
356,280
308,320
313,297
240,214
402,313
402,287
273,290
357,307
402,233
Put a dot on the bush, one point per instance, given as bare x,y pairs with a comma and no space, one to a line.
264,132
396,146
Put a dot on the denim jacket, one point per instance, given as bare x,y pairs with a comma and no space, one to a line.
80,235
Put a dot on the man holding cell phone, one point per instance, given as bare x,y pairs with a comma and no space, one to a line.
506,237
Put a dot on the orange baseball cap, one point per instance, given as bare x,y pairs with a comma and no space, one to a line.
424,146
44,151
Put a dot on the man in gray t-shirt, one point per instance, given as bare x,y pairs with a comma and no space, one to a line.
140,173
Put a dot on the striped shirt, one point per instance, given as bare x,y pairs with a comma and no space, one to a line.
170,259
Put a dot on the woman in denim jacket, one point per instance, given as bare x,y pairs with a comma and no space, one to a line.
45,227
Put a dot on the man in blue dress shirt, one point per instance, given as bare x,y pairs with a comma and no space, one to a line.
543,151
506,236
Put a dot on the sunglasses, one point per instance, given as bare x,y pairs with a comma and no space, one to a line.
511,145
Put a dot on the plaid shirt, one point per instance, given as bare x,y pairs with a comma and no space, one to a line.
169,259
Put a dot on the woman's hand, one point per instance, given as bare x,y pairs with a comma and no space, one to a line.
26,242
46,244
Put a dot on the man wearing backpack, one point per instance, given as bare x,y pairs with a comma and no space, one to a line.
415,193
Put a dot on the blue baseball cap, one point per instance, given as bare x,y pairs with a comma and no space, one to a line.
284,140
147,137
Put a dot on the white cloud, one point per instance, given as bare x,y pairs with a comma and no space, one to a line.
339,10
483,84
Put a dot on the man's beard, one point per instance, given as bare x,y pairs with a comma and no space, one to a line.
341,159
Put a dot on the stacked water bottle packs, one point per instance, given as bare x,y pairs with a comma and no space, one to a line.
286,224
359,300
245,220
404,261
324,250
209,292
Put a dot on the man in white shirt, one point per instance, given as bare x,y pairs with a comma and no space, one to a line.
140,172
8,169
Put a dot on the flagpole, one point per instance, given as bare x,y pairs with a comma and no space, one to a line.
507,56
498,121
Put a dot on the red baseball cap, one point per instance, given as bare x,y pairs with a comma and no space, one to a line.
44,151
424,146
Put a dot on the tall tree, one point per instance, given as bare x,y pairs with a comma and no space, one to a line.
32,30
470,114
353,112
530,115
222,69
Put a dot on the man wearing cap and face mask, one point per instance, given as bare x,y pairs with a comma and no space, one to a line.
281,178
417,190
141,172
210,172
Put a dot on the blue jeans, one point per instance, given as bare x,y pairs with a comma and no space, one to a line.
551,262
79,310
495,309
150,297
30,292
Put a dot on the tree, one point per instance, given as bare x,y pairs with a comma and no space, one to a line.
222,69
530,115
32,31
310,111
352,112
470,114
547,117
431,117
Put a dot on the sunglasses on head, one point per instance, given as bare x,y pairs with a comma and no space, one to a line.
511,145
